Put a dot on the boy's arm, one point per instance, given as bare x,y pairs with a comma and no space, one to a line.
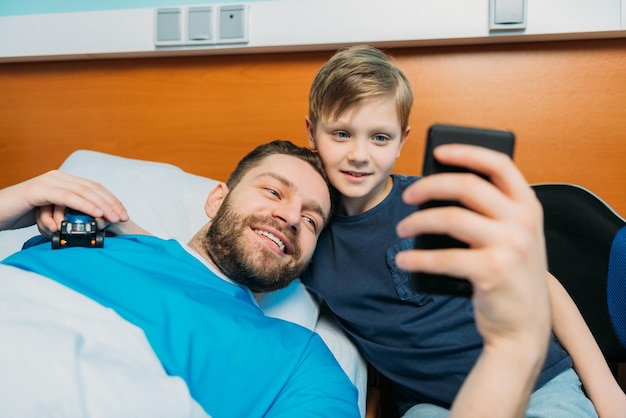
572,331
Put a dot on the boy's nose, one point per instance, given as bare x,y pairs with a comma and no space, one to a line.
359,153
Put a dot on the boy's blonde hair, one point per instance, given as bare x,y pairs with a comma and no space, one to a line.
356,74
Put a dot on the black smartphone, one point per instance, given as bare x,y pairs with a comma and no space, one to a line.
439,134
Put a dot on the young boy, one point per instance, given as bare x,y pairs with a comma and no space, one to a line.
359,107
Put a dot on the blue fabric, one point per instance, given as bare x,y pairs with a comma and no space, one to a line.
561,397
425,344
616,285
236,361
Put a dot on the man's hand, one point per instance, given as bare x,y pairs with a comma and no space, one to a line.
43,200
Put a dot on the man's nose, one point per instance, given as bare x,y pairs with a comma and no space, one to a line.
288,212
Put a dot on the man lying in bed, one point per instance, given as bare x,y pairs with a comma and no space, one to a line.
514,314
196,303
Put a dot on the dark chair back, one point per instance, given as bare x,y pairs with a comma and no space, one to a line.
586,245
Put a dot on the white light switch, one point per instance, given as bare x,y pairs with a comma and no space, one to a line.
509,11
168,24
200,25
507,14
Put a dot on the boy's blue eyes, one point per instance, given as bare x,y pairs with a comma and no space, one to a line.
380,138
375,138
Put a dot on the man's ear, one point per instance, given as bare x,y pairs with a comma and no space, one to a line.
310,132
215,199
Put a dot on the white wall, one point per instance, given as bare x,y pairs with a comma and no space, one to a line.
289,25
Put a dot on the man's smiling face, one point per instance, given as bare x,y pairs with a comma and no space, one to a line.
265,231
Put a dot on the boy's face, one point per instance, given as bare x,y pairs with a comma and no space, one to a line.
359,150
264,231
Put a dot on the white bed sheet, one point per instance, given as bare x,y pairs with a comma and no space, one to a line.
64,355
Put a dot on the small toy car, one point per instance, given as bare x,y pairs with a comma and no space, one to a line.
78,230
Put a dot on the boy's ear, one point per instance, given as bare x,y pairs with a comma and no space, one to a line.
405,136
310,132
215,199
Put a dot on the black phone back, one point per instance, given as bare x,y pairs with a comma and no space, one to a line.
438,134
502,141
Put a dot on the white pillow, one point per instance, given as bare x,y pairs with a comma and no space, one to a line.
168,202
11,241
159,197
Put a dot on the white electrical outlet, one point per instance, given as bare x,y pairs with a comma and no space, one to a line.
232,24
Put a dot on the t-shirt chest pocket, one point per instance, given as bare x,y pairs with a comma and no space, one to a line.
401,279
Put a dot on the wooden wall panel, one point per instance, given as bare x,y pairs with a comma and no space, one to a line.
199,113
566,102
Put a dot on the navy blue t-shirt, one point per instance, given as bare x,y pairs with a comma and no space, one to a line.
425,344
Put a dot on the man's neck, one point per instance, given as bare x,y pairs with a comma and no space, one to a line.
196,246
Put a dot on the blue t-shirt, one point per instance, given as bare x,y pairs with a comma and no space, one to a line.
236,361
425,344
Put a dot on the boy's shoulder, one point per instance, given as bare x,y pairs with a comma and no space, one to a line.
403,181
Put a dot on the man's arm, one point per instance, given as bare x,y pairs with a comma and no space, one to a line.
127,228
43,200
317,387
506,263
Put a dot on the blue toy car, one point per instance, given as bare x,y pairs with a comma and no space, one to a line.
78,230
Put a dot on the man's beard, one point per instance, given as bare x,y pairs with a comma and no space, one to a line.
253,266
